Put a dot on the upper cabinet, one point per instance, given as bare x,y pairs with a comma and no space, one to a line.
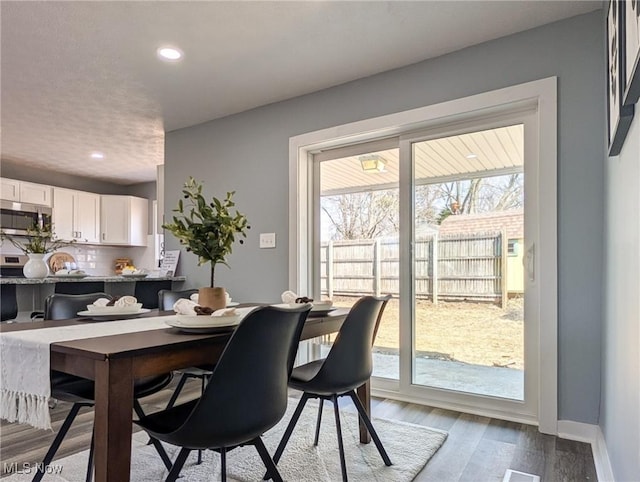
124,220
25,192
76,215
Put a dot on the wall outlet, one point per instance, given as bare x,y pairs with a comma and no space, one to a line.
267,240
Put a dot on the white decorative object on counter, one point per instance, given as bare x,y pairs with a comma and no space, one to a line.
36,267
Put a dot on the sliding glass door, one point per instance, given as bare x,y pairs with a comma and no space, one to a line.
440,219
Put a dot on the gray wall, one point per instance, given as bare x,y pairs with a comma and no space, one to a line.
620,408
248,153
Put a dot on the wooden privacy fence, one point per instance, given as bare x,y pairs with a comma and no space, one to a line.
454,267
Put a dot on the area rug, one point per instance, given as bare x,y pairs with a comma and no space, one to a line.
409,446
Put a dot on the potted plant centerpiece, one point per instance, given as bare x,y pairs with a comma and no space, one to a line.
39,241
208,230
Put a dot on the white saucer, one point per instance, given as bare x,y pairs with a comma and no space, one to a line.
321,309
112,315
217,323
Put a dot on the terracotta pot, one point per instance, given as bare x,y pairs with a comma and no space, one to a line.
214,298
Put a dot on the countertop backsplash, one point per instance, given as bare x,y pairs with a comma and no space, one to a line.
98,260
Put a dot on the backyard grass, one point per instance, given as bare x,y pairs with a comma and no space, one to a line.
469,332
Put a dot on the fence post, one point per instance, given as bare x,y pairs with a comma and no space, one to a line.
377,282
330,269
504,244
434,269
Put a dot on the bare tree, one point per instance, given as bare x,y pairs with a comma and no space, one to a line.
367,215
362,215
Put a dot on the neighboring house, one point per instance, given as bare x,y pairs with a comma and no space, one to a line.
511,222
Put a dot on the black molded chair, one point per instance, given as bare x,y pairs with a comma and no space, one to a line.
246,394
80,391
64,306
167,298
347,366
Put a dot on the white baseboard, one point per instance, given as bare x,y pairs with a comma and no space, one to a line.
601,459
580,432
592,434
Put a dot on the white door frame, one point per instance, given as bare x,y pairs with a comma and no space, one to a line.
539,94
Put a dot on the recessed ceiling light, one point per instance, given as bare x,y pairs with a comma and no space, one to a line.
170,53
97,155
471,156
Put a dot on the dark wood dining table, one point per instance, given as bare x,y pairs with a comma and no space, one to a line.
115,361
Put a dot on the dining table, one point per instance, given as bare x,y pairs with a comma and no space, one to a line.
116,360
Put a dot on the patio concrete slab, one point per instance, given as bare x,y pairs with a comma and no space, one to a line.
452,375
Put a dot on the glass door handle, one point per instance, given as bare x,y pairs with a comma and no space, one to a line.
529,262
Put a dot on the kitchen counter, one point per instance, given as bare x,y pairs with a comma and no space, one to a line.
88,279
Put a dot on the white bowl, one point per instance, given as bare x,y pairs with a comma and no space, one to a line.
316,305
207,320
114,309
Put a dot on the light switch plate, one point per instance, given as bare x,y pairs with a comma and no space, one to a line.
267,240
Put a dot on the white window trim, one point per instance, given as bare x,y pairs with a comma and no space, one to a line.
543,94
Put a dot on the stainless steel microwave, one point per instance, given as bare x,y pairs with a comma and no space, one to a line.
16,217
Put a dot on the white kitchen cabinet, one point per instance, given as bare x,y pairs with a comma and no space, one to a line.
124,220
26,192
10,189
76,215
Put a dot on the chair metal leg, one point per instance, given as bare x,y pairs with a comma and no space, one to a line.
55,445
174,473
288,432
91,452
155,442
367,421
315,441
162,453
272,470
290,427
336,412
223,464
176,392
204,385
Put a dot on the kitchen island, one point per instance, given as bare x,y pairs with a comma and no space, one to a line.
86,279
30,293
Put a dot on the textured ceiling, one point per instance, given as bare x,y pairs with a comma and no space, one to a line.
78,77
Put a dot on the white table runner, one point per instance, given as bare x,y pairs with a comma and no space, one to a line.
25,363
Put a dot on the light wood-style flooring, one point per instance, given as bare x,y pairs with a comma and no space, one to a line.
477,448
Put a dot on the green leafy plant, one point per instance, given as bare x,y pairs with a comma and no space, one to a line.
40,239
207,229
